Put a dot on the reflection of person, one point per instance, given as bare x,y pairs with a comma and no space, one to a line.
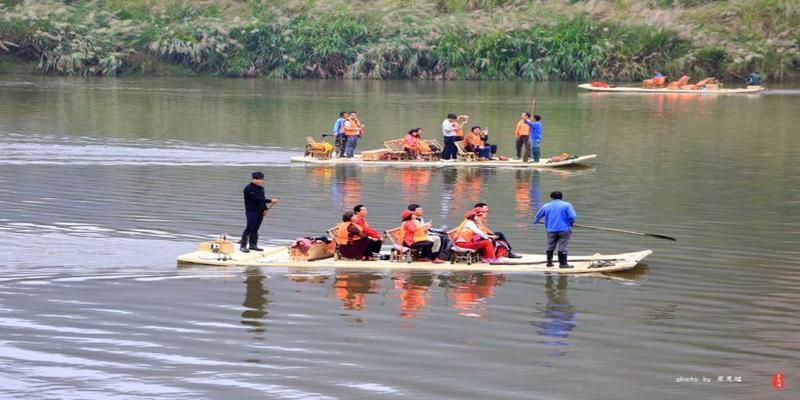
558,319
413,292
352,289
470,291
559,217
255,206
354,242
255,301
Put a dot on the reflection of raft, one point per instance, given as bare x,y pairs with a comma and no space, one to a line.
357,160
281,257
749,89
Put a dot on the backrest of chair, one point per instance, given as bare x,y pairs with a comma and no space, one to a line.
451,234
435,146
394,235
461,147
659,81
310,141
684,80
334,234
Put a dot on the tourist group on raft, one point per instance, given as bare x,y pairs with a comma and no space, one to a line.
348,129
357,240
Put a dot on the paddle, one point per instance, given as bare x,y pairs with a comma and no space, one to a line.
274,203
628,232
533,104
598,228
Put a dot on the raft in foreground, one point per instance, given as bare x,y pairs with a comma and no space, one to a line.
279,257
630,89
357,160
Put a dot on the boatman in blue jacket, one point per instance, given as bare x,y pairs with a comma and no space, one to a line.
255,207
559,217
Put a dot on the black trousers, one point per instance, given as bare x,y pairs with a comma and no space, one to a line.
501,236
250,234
524,143
424,248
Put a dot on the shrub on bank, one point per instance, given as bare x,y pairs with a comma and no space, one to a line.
456,41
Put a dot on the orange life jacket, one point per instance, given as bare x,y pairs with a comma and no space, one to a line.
473,139
423,146
522,129
344,237
419,234
463,234
459,130
353,128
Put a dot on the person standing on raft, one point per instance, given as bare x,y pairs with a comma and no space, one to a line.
559,218
256,207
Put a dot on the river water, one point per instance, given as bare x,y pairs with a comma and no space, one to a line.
104,182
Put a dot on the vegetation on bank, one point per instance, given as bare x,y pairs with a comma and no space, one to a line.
618,40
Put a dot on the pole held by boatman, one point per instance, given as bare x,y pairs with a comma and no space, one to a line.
256,205
559,218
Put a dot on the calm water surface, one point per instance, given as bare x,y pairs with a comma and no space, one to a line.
104,182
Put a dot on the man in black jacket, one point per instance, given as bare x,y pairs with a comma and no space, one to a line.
255,206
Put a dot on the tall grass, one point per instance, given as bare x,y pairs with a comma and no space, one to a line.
407,39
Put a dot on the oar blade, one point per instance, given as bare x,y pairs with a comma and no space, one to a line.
662,236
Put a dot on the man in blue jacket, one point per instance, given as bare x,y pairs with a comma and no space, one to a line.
559,217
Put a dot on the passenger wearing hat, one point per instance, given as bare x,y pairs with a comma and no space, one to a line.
415,236
255,206
470,236
559,217
441,244
501,240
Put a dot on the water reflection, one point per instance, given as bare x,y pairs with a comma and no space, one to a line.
346,188
414,292
558,317
527,195
413,183
352,289
255,299
470,292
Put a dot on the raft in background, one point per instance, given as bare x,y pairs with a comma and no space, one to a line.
631,89
358,160
283,257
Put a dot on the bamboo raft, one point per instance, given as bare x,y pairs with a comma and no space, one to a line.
284,257
630,89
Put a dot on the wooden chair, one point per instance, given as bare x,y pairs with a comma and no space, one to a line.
400,252
679,83
463,154
312,149
654,83
461,254
396,150
436,151
337,254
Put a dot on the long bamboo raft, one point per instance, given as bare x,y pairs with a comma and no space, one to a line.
358,160
630,89
280,257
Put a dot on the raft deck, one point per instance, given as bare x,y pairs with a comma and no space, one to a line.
357,160
749,89
279,257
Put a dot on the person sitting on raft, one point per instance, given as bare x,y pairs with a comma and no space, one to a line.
485,138
483,223
473,143
415,236
414,145
359,219
470,236
354,243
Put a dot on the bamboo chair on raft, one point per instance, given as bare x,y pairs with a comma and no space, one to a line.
679,83
400,252
460,254
654,83
396,150
463,154
333,232
322,151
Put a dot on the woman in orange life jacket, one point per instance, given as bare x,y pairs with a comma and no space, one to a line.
354,243
415,236
483,223
473,143
414,145
470,236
